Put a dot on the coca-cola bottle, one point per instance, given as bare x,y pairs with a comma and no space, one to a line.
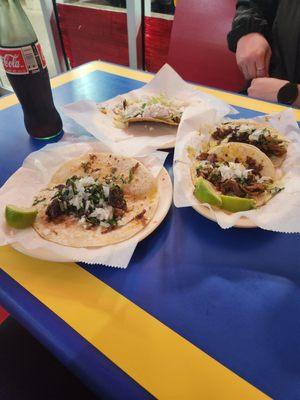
27,72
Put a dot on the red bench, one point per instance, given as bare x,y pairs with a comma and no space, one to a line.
198,49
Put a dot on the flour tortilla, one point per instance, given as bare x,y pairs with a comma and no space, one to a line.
141,196
231,151
276,160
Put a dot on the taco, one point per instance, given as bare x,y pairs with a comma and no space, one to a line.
96,200
148,109
263,136
234,176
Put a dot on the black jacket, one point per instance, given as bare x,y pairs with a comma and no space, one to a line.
279,22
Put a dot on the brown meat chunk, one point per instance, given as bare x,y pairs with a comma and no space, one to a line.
53,211
251,163
141,215
202,156
254,188
212,158
116,198
109,229
118,213
220,134
241,137
231,186
92,157
275,149
135,167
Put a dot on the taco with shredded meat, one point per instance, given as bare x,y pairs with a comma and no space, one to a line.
157,108
234,177
96,200
263,136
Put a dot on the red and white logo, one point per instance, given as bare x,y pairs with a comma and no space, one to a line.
23,60
13,61
41,54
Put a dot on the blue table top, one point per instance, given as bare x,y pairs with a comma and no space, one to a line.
232,293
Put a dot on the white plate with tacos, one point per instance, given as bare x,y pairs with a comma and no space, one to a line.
94,206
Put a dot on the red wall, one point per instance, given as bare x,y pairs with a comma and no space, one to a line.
157,40
90,34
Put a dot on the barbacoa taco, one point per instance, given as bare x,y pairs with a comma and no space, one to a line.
148,109
234,177
263,136
96,200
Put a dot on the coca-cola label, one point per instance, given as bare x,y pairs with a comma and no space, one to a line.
23,60
41,54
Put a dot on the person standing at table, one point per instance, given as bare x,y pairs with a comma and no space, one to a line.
265,36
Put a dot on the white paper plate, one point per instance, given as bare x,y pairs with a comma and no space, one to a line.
206,212
165,199
243,222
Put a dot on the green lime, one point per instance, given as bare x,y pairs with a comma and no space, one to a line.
206,193
20,218
235,204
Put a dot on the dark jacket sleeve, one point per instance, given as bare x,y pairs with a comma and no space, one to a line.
252,16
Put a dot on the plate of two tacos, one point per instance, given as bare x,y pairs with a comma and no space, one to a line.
236,170
101,199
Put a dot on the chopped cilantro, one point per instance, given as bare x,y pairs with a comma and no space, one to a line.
81,197
130,177
86,166
37,201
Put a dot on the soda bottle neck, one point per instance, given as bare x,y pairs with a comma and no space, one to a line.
15,27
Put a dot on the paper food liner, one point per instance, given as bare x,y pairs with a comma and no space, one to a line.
282,212
143,134
35,174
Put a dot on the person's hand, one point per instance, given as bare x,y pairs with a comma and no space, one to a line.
266,88
253,54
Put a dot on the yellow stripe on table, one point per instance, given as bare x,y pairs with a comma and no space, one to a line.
80,72
160,360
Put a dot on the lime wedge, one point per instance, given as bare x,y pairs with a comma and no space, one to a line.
20,218
235,204
205,193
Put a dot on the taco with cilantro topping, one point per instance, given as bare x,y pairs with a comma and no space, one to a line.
234,177
263,136
96,200
148,109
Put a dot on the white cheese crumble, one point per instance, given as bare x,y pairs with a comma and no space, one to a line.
132,111
243,128
233,170
104,224
150,107
203,163
80,185
77,201
87,205
263,179
85,181
82,222
102,214
106,189
156,111
257,134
